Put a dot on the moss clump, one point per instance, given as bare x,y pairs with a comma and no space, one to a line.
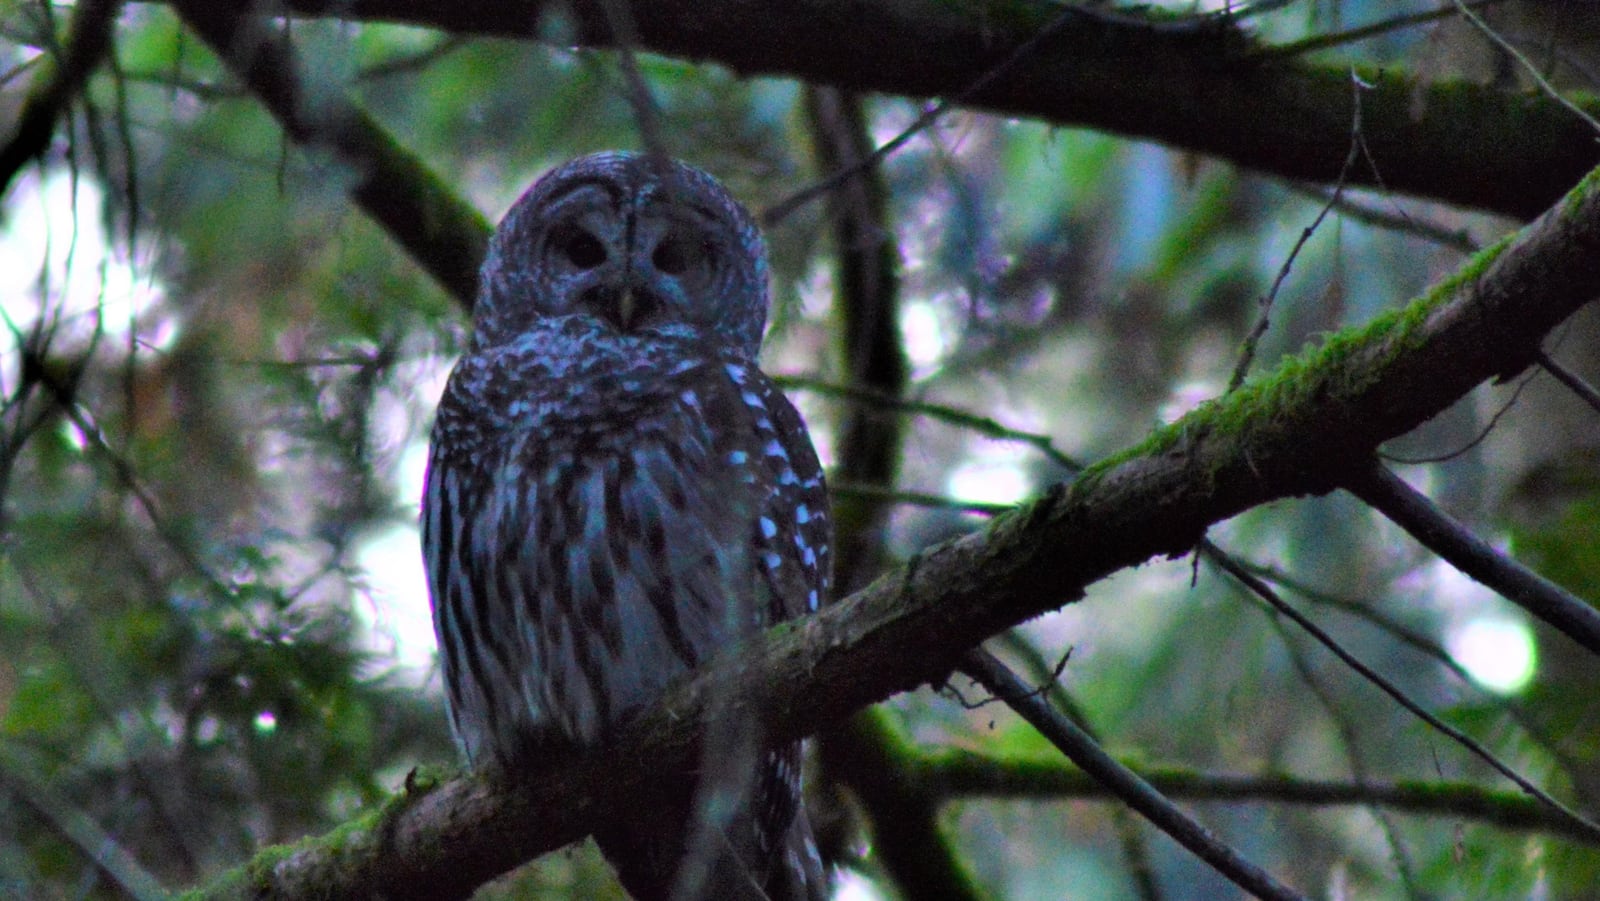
1319,373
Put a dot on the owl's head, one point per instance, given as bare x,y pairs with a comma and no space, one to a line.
643,245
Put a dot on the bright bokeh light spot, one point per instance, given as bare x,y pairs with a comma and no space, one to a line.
398,616
925,336
54,228
1185,398
413,474
989,482
852,886
74,435
266,722
1498,651
816,291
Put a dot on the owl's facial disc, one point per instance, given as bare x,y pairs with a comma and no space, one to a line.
641,247
634,268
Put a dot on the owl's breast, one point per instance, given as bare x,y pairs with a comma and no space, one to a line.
568,388
622,516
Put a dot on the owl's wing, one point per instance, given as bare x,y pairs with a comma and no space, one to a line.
791,532
791,537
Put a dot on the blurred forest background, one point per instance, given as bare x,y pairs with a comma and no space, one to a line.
217,372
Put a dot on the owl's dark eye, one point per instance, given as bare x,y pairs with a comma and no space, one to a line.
581,248
676,254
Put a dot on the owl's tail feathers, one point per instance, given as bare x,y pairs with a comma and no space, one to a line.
799,874
651,859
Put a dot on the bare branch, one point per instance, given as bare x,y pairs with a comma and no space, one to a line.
961,419
443,234
19,771
843,172
1382,27
1263,591
1571,380
1121,781
1247,353
1533,71
1412,511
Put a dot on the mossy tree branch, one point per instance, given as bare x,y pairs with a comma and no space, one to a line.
941,775
1302,430
441,232
1204,86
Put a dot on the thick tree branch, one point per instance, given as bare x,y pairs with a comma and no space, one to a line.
1305,429
446,236
1206,89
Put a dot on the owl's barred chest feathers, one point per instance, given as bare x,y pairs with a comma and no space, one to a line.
627,507
563,388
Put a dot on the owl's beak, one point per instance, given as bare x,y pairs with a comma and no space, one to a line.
627,308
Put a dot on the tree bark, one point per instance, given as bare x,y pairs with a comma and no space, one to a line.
1203,84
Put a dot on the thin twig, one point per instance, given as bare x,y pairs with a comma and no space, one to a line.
1041,671
1123,782
1247,353
1265,592
1533,71
18,770
1488,429
1428,647
869,491
1569,378
1483,433
407,63
1434,529
64,624
784,208
620,20
960,774
983,425
1348,741
1454,238
1360,33
87,42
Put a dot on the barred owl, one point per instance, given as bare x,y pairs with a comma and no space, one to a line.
615,491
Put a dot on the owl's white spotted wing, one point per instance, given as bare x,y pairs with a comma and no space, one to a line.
793,530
